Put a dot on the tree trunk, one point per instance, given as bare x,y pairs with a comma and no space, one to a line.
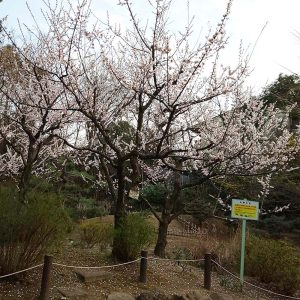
27,173
161,243
120,212
24,183
170,210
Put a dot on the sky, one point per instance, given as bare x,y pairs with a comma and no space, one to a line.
276,49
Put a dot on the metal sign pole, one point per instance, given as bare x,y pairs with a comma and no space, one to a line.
245,210
242,265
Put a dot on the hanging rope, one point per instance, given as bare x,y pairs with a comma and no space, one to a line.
21,271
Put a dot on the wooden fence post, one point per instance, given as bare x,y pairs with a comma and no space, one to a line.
45,286
143,266
207,271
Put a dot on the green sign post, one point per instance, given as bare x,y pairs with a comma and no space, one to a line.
245,210
243,244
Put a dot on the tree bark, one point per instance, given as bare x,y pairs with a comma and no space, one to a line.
120,212
161,243
24,183
120,201
171,209
26,174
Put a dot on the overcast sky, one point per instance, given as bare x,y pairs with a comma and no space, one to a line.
277,48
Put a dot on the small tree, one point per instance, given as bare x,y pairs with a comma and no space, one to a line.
31,115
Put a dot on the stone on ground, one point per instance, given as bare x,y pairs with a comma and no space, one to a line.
215,296
92,275
73,293
154,296
120,296
192,295
196,295
146,296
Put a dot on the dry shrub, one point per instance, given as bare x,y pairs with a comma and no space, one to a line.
136,233
217,238
94,233
274,262
28,231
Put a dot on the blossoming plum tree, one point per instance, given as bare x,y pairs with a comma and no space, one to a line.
184,110
31,115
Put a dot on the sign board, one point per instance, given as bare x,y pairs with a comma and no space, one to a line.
244,209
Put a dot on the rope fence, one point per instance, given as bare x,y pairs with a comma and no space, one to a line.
176,260
100,267
48,263
21,271
253,285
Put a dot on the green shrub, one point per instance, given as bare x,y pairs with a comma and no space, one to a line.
86,208
155,193
28,231
135,234
86,213
274,262
92,233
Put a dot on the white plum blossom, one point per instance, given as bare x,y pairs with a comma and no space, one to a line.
145,99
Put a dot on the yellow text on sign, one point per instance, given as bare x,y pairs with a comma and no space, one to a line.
245,209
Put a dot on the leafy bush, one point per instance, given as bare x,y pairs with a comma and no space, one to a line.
135,234
86,208
86,213
154,194
28,231
274,262
92,233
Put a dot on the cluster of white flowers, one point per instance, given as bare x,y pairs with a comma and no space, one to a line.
142,93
